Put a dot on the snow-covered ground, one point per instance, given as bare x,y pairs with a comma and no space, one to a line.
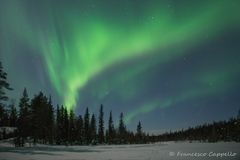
158,151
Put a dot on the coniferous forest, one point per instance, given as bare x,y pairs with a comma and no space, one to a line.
36,120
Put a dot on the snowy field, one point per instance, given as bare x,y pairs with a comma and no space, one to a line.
158,151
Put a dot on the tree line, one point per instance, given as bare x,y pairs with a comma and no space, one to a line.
37,121
213,132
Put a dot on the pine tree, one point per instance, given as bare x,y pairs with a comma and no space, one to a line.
4,85
101,126
2,115
50,121
65,126
107,136
80,130
237,127
5,118
24,118
93,129
111,130
139,133
139,128
121,129
13,115
213,136
86,127
58,126
40,118
72,128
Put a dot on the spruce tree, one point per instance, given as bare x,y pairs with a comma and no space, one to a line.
80,130
111,130
58,126
139,128
2,112
40,118
5,117
13,115
139,133
237,124
24,121
101,126
86,127
4,85
65,126
72,128
93,129
121,129
50,121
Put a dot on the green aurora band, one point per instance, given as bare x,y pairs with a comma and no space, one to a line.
95,45
77,47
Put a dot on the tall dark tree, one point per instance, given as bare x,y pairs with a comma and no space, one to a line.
237,128
121,129
50,120
101,126
80,130
65,126
4,85
13,115
24,121
139,128
111,130
139,134
86,127
93,129
4,117
40,118
2,112
62,123
58,126
72,127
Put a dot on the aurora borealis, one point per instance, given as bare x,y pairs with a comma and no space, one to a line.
153,60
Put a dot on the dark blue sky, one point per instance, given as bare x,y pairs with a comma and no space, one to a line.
167,63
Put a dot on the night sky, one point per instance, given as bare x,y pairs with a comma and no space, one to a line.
171,64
